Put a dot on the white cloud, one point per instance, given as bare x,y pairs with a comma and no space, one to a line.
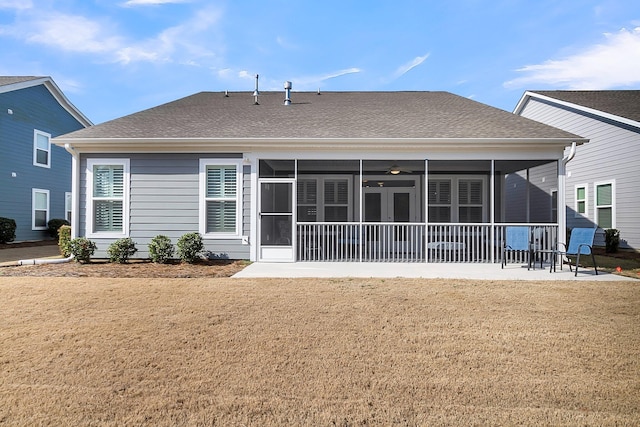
182,43
405,68
79,34
340,73
71,33
130,3
614,63
16,4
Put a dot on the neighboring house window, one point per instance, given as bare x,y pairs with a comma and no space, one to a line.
108,197
67,206
41,149
581,200
40,209
220,198
554,205
605,205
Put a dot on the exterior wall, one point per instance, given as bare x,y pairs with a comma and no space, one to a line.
164,199
612,155
32,108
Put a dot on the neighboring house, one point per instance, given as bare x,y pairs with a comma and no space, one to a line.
35,178
603,177
358,176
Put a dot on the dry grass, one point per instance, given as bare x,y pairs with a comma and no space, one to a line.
231,352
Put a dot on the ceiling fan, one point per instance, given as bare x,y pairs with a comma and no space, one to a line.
395,170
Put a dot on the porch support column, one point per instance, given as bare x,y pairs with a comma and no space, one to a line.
492,202
426,210
527,201
361,213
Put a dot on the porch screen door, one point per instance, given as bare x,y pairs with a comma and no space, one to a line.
276,220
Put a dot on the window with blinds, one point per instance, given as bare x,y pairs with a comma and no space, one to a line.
108,198
470,200
323,198
221,198
439,200
456,199
307,197
336,199
221,181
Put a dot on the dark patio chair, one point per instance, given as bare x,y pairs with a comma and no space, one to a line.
580,243
517,240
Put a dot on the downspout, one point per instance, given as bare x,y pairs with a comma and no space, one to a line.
74,212
562,193
75,194
45,261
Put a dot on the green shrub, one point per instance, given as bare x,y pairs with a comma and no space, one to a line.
7,230
611,240
120,250
82,248
64,240
54,224
160,249
190,247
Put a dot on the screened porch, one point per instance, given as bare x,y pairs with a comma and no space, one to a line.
393,211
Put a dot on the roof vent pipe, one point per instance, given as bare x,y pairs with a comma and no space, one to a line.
255,92
287,91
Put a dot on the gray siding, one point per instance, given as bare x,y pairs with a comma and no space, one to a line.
33,108
542,180
613,154
164,199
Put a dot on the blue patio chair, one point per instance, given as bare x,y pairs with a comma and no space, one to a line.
580,243
517,240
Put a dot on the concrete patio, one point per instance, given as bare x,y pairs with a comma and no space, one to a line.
422,270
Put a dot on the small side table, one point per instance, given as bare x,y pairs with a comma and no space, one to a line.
553,254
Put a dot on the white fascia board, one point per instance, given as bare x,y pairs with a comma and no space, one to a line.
23,85
598,113
65,103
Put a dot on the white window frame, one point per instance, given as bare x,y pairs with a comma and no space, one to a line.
455,188
37,133
596,218
576,213
321,203
34,192
204,163
91,163
68,206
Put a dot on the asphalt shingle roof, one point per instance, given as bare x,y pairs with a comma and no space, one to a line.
9,80
622,103
328,115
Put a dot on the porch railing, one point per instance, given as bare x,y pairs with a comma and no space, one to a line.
413,242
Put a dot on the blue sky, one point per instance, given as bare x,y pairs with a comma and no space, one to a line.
115,57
